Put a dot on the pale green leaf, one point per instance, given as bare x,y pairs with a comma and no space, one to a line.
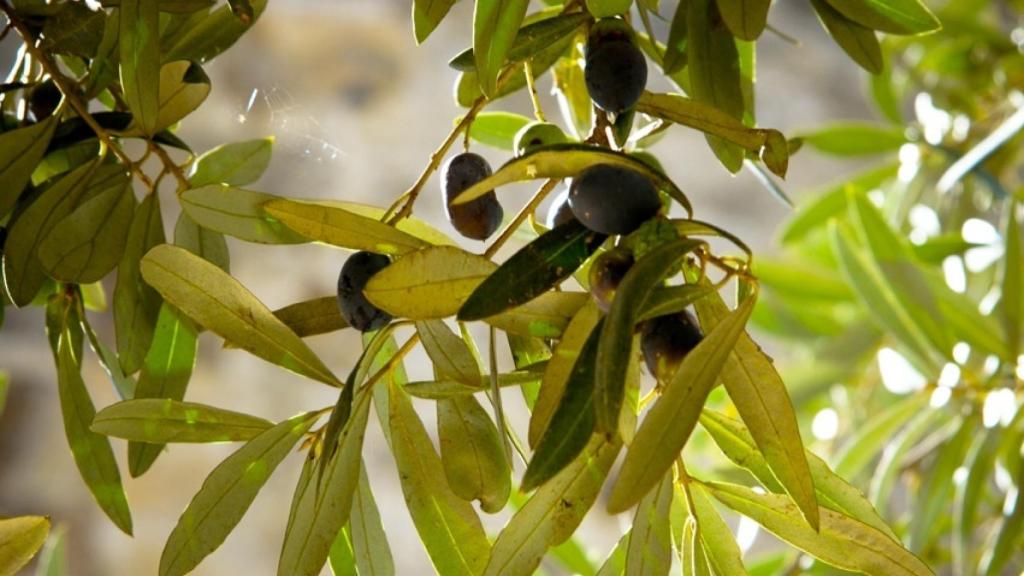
723,554
855,138
369,542
746,19
859,42
20,540
495,24
893,16
237,212
449,353
607,8
649,552
164,420
236,164
472,453
546,316
140,60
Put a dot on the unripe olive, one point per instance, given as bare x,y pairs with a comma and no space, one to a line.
44,100
607,272
559,212
666,340
615,71
537,134
613,200
357,310
479,218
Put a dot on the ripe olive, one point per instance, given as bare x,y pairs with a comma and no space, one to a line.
607,272
479,218
613,200
666,340
357,310
615,69
537,134
44,100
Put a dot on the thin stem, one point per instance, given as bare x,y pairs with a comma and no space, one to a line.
523,214
170,166
531,83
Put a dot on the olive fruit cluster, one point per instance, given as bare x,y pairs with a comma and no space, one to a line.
615,69
355,308
480,217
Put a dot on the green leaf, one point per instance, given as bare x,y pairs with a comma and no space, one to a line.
410,225
427,14
841,542
206,34
723,554
1012,302
4,387
893,16
670,421
615,563
207,244
817,212
92,452
760,397
235,164
210,297
560,368
927,424
237,212
53,559
746,19
342,558
321,506
607,8
529,41
448,526
447,389
472,453
183,88
20,540
136,305
769,143
616,344
369,542
313,317
226,495
495,25
140,61
675,57
553,513
832,491
533,270
449,353
855,138
74,30
649,552
88,243
566,161
546,316
572,423
428,284
20,151
857,452
164,420
859,42
339,227
571,90
1010,533
934,495
496,129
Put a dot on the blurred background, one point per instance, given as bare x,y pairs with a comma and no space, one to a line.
356,108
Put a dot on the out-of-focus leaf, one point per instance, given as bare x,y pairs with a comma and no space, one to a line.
140,60
969,496
546,316
675,47
859,450
842,541
237,212
801,280
53,560
136,304
428,284
160,420
723,554
472,453
746,19
1012,286
616,344
339,227
649,552
855,138
236,164
495,25
553,513
921,427
607,8
885,94
497,129
566,161
226,495
20,540
1010,533
20,151
426,15
937,248
533,270
669,423
893,16
934,497
770,144
529,40
218,302
859,42
816,213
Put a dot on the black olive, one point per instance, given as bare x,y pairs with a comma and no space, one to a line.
44,100
357,310
613,200
615,71
666,340
607,272
479,218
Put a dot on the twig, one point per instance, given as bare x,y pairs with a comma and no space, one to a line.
531,83
523,214
170,165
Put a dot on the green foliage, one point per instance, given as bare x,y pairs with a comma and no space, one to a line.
859,277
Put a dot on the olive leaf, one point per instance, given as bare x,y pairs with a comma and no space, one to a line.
313,317
136,304
159,420
855,138
529,40
495,26
449,353
543,317
566,161
606,8
670,421
237,212
496,129
893,16
369,542
74,30
674,58
533,270
447,389
21,150
207,244
746,19
226,495
183,88
722,552
211,298
649,551
859,450
207,34
140,60
859,42
20,539
1013,280
472,453
426,15
817,212
236,164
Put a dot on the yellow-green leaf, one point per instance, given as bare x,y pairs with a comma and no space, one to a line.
426,15
472,453
859,42
136,304
313,317
210,297
20,540
546,316
449,353
235,164
495,24
855,138
20,151
607,8
140,60
369,542
746,19
160,420
723,554
183,87
237,212
649,552
893,16
339,227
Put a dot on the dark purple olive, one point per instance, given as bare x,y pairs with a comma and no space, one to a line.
357,310
613,200
607,272
479,218
43,100
666,340
615,69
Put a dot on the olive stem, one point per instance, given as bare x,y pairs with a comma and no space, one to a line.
531,83
530,207
170,166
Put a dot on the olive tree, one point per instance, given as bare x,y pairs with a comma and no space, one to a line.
622,313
